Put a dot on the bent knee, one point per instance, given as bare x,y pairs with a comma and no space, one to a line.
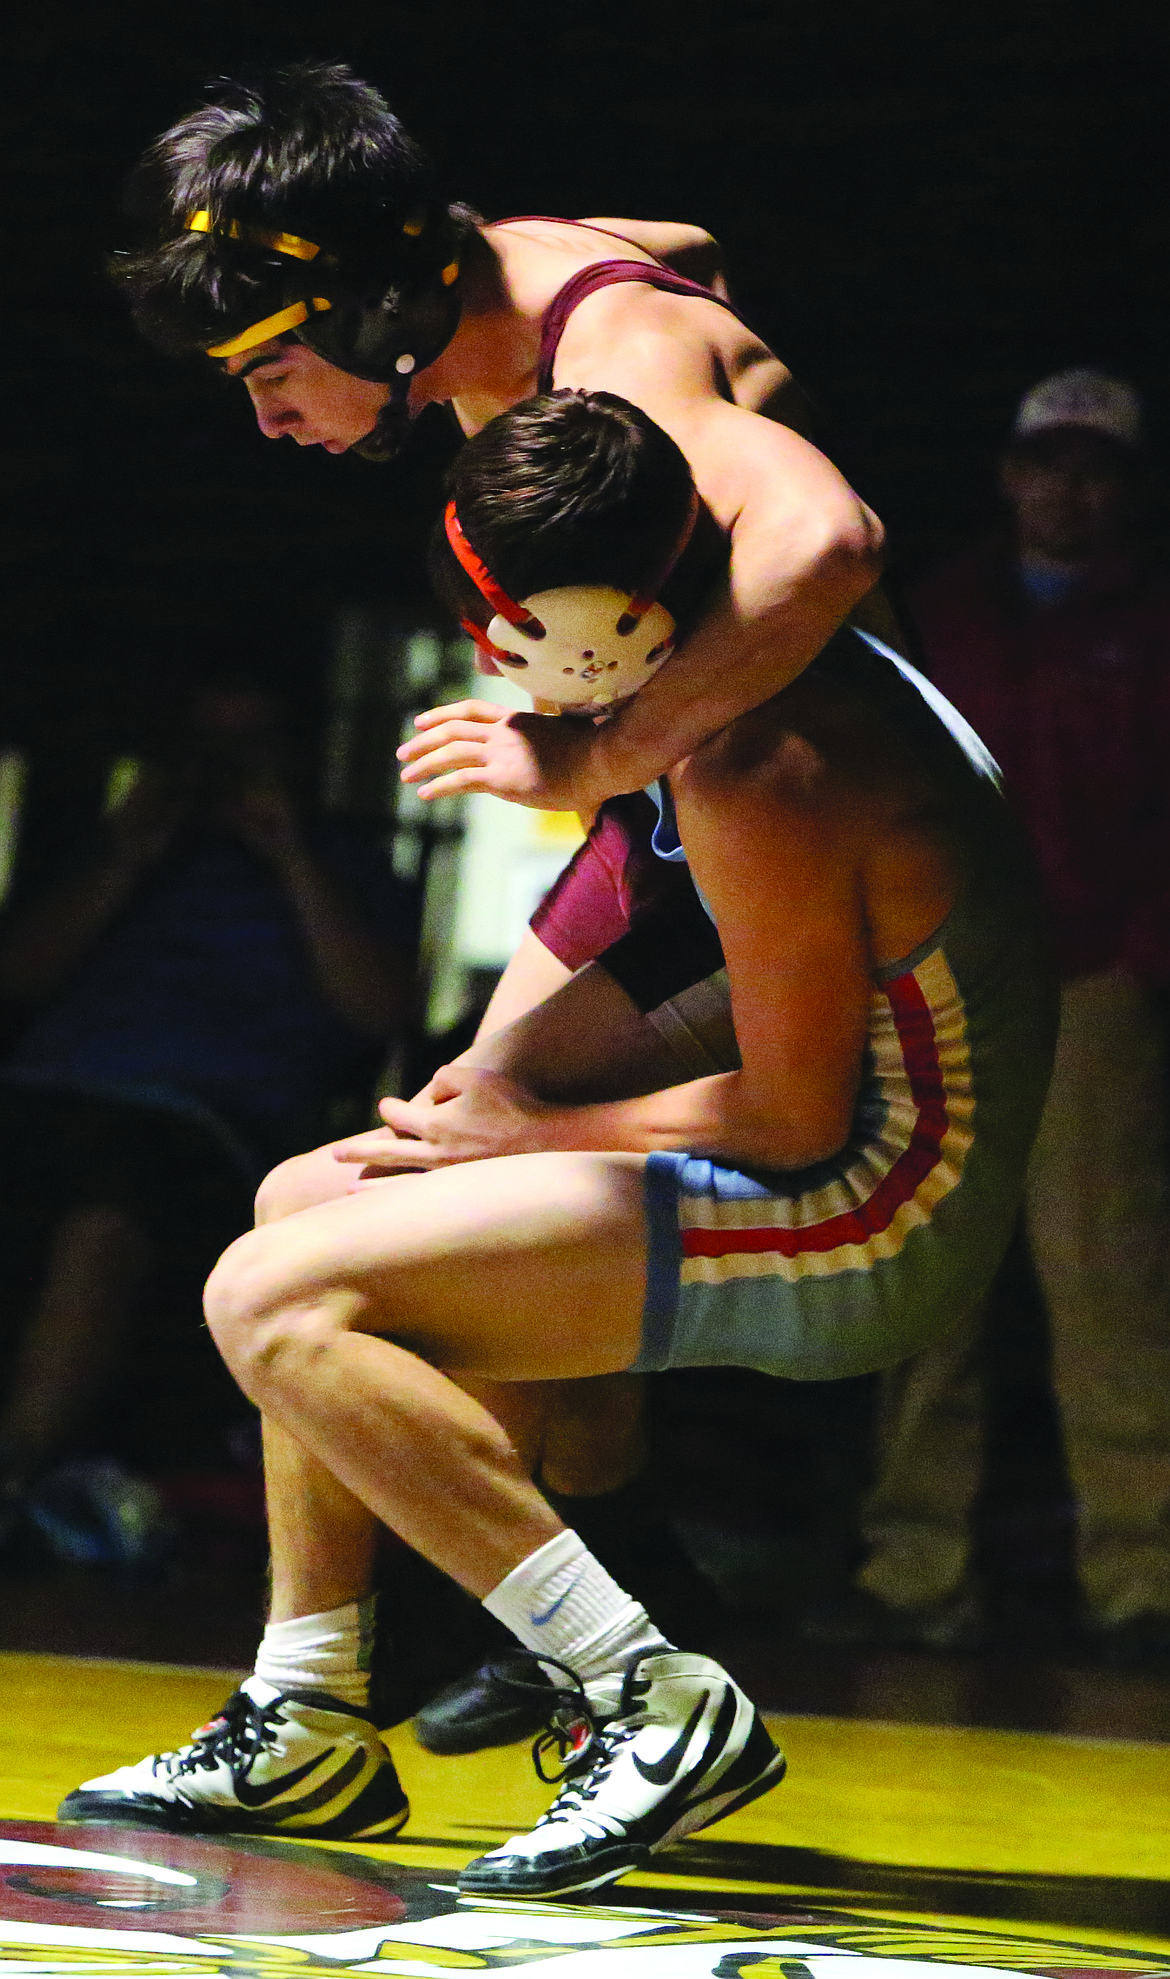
265,1327
231,1304
240,1309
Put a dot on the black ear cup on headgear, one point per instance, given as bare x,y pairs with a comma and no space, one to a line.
385,338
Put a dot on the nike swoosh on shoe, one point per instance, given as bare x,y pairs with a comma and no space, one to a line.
660,1772
250,1796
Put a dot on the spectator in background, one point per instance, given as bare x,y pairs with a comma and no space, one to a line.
1054,640
213,971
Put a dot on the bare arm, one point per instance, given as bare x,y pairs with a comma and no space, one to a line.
780,866
547,1037
804,550
778,853
585,1040
758,382
532,975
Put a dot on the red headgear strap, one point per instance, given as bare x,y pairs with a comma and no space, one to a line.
485,583
516,615
481,639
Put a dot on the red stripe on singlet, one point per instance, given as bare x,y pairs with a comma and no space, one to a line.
915,1026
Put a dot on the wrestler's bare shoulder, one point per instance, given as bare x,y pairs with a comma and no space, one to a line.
636,313
815,748
807,787
756,378
689,250
538,256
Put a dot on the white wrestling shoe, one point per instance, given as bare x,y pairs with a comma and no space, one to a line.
669,1748
295,1762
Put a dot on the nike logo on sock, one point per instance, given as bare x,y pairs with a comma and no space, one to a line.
659,1772
250,1796
538,1621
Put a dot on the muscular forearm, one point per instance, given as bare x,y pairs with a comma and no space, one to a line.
717,1116
532,975
582,1039
804,549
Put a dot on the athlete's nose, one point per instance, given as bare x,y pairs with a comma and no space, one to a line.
275,421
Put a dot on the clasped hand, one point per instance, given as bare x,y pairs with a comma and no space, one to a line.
464,1114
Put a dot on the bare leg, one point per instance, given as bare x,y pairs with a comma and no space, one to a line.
323,1540
585,1437
302,1183
466,1270
579,1438
98,1260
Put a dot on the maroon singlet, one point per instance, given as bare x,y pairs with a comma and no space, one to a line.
611,882
615,877
603,275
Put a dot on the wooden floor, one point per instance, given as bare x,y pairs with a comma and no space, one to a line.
910,1844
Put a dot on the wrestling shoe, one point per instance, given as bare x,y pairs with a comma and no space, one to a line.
651,1756
295,1762
479,1710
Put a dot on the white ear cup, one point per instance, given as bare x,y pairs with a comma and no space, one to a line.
583,661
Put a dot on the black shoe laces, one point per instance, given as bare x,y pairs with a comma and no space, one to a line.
242,1730
585,1742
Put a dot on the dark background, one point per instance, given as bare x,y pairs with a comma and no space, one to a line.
927,204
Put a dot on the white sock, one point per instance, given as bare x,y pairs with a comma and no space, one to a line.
330,1652
561,1602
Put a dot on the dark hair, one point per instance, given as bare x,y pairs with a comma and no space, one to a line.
567,488
305,149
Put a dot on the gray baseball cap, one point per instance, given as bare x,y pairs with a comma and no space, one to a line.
1081,398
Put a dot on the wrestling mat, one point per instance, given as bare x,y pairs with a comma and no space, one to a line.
909,1847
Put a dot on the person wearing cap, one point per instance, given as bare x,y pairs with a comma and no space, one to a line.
1053,639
